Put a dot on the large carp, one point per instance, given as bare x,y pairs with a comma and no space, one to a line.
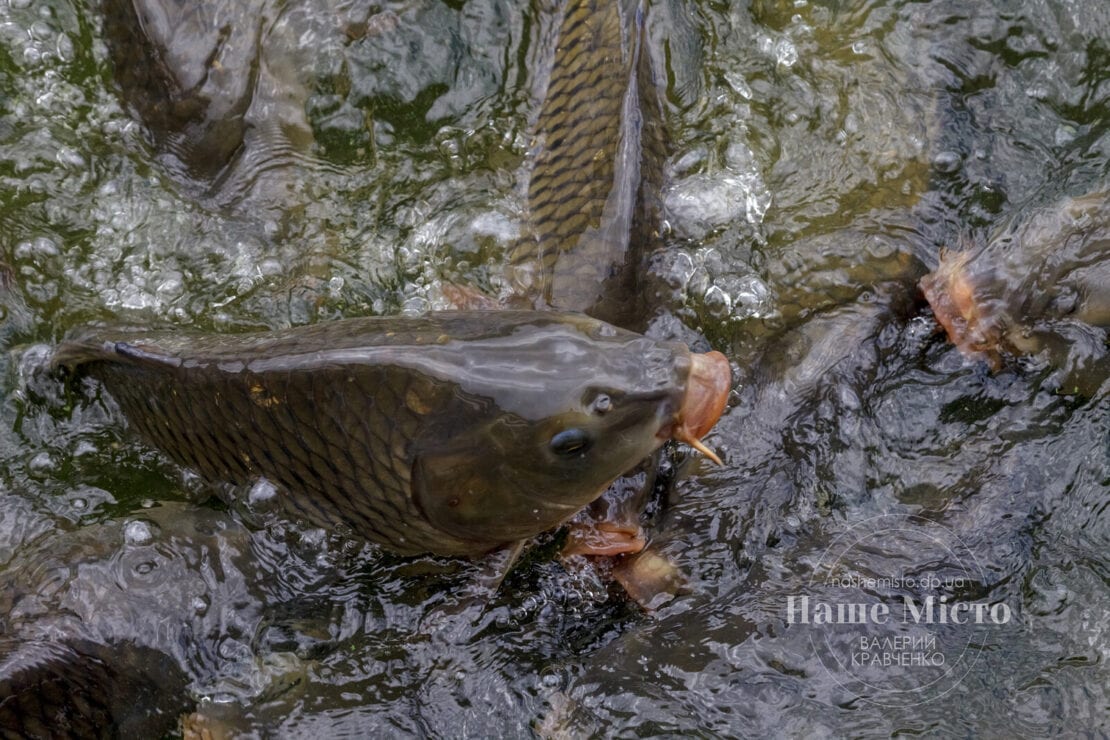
454,433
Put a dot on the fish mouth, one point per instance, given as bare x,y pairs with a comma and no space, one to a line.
604,538
707,388
951,296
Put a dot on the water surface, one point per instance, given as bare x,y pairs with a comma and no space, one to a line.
823,154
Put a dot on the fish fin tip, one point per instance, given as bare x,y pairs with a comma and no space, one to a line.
500,563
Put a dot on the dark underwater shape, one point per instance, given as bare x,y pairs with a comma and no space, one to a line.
82,689
1041,284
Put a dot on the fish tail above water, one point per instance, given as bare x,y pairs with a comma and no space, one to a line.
594,191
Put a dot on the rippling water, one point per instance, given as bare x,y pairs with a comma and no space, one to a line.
823,154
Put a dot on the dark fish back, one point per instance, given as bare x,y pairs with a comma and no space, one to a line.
594,191
220,88
338,415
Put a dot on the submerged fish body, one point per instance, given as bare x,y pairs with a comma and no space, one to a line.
77,688
453,433
1042,284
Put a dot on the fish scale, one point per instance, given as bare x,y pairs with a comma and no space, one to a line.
594,188
281,437
386,450
318,451
78,689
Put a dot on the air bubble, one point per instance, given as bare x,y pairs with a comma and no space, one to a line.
262,493
677,269
270,267
83,448
946,161
786,54
68,156
41,465
172,285
138,532
41,31
39,247
65,48
415,306
717,302
738,84
1064,134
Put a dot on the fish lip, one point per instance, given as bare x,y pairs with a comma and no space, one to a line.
707,389
952,297
604,538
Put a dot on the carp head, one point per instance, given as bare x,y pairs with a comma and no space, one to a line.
556,411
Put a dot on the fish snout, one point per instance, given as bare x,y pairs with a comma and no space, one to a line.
951,293
707,388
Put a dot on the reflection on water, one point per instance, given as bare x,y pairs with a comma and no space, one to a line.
823,154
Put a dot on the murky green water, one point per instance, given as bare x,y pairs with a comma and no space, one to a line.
823,154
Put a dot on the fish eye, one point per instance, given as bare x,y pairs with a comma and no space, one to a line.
602,403
570,442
